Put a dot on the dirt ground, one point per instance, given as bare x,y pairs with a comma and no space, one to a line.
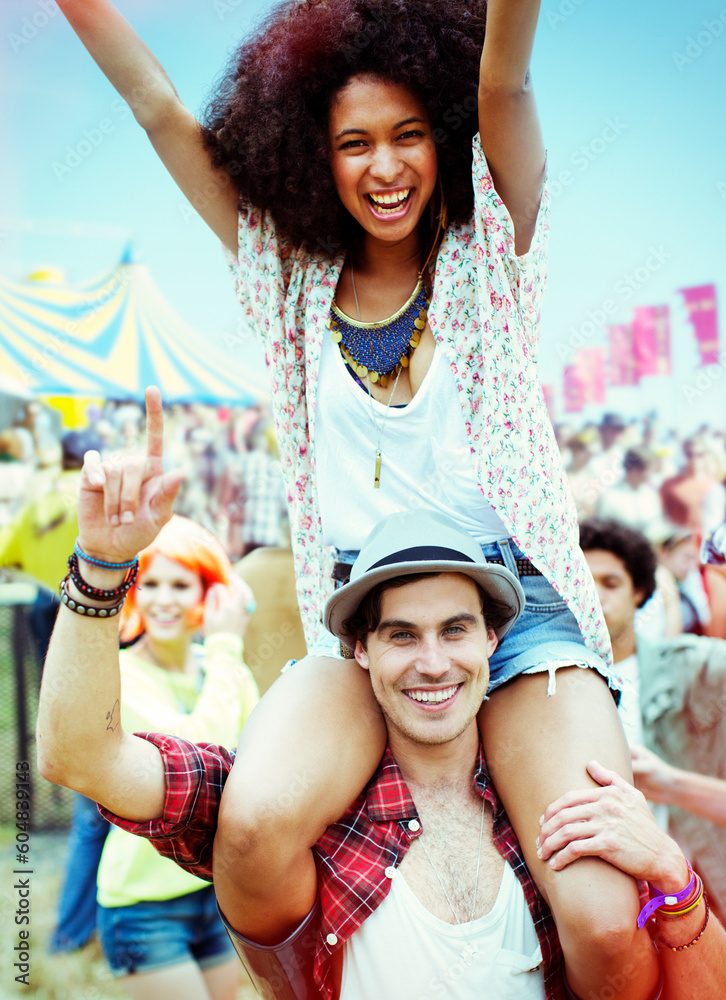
82,975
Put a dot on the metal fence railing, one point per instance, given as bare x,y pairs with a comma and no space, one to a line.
22,648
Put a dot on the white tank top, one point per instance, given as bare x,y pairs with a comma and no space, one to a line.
426,458
403,952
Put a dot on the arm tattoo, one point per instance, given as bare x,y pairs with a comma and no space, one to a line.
112,717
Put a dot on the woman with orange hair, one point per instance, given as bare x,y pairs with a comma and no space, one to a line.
158,924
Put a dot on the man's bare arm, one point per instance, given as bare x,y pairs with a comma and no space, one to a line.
614,822
659,781
81,743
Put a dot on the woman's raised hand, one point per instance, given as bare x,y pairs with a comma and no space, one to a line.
228,609
125,501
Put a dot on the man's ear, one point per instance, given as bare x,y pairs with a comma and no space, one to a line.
361,655
639,596
492,641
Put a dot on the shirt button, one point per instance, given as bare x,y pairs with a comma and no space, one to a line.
414,825
390,872
332,939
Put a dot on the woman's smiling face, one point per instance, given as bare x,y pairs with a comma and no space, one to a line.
167,594
382,155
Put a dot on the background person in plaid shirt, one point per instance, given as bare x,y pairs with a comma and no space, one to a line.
367,910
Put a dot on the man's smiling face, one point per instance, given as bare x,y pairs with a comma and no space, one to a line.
429,658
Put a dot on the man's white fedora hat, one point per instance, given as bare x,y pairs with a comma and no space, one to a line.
421,541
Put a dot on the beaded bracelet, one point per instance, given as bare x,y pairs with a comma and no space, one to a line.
98,593
84,609
690,944
99,562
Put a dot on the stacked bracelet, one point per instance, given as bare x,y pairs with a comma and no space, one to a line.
78,551
665,902
673,910
98,593
84,609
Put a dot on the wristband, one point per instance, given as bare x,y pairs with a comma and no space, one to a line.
99,562
681,909
670,899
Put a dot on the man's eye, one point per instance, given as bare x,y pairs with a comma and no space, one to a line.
454,629
400,635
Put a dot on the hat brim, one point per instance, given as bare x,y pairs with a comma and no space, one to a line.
496,581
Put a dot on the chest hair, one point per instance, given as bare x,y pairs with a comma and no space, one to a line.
451,827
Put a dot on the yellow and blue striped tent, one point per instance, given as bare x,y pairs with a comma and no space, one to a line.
111,338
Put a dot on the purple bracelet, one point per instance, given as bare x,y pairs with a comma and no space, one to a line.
667,899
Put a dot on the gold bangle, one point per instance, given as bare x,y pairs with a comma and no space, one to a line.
682,947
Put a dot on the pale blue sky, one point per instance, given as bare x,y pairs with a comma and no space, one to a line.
631,99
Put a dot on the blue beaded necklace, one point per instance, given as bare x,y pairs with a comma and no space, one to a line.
379,351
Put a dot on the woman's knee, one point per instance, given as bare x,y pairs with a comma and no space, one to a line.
596,909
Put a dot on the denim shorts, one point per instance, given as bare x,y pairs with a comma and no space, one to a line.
544,637
159,934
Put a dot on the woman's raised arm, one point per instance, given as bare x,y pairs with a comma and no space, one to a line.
174,132
508,122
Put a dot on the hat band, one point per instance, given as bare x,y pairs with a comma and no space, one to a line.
422,553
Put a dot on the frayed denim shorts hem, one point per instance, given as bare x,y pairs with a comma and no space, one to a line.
160,934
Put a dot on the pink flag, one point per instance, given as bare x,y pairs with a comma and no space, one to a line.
590,363
701,305
573,389
652,340
548,391
622,359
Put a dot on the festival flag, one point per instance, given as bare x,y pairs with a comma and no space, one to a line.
573,389
622,369
652,340
701,305
590,363
548,391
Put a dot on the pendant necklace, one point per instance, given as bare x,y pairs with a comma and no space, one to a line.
379,427
388,356
469,950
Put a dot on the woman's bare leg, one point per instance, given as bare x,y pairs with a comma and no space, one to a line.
305,753
537,747
222,980
183,982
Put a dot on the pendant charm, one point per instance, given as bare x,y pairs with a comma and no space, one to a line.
377,478
468,952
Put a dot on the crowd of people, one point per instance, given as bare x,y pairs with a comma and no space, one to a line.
668,486
233,482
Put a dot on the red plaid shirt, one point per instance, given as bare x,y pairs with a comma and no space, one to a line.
355,856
